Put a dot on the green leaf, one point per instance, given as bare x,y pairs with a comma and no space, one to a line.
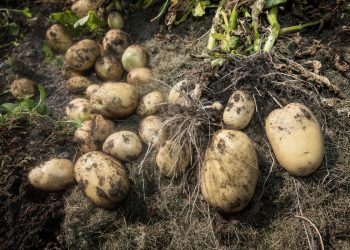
218,36
271,3
199,9
9,107
48,53
81,22
27,12
75,122
92,21
64,18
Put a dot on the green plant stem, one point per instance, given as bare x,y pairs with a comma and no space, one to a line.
212,41
299,26
233,19
256,11
162,11
275,29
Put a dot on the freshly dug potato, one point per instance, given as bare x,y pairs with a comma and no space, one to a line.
82,7
150,131
230,172
150,103
53,175
91,89
77,84
123,145
82,55
178,94
172,159
78,108
108,68
134,57
67,72
139,76
115,20
115,42
104,179
91,135
58,38
22,87
115,99
296,139
239,110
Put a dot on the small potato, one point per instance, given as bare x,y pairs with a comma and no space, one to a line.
82,7
239,110
22,87
78,108
104,179
296,139
150,103
172,159
115,42
91,89
58,38
108,68
115,99
123,145
139,76
53,175
82,55
134,57
150,131
179,94
91,135
77,84
115,20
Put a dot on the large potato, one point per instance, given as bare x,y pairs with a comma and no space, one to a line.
22,87
82,55
77,84
91,89
115,99
150,130
53,175
150,103
115,42
103,179
230,171
296,139
82,7
58,38
108,68
78,109
239,110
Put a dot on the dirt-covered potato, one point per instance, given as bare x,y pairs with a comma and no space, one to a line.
103,179
115,42
67,72
22,87
172,159
139,76
91,89
150,131
115,20
115,99
91,135
78,108
108,68
82,7
296,139
150,103
82,55
178,94
77,84
239,110
123,145
53,175
134,57
230,171
58,38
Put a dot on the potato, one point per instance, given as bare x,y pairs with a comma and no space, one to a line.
67,72
150,103
115,99
179,94
22,87
91,135
77,84
239,110
150,131
108,68
134,57
230,171
139,76
123,145
91,89
115,20
82,55
78,108
53,175
296,139
82,7
58,38
103,179
115,42
172,159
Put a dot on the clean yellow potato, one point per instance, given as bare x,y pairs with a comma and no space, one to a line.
91,89
22,87
230,171
115,99
150,104
77,84
108,68
53,175
179,94
82,7
239,110
82,55
103,179
123,145
150,130
115,20
296,139
173,159
115,42
58,38
78,108
139,76
134,57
